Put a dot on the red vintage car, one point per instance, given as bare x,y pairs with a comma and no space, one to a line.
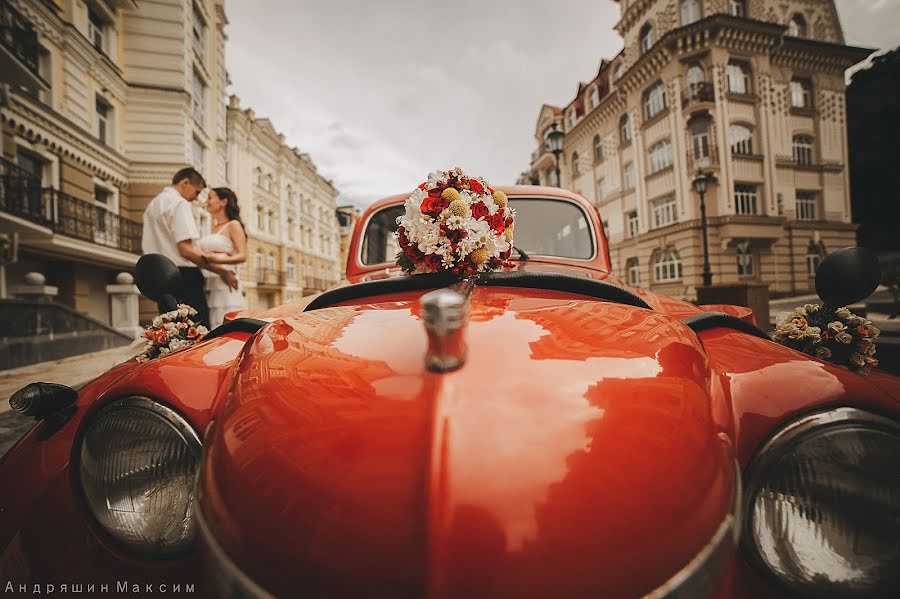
541,431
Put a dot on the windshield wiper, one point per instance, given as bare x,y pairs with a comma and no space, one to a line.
522,255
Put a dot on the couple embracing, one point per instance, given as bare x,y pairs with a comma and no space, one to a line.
208,264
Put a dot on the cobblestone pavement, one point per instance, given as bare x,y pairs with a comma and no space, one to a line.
74,372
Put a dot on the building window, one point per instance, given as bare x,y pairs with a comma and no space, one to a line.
552,179
620,70
199,154
633,223
803,150
198,98
572,118
738,8
593,98
694,79
290,229
744,259
259,262
601,190
801,93
667,266
575,169
646,37
96,31
700,139
745,198
655,100
664,212
807,204
625,129
290,269
101,198
598,148
739,77
104,121
797,26
661,156
270,263
814,254
690,11
199,30
628,177
260,219
740,137
272,229
633,268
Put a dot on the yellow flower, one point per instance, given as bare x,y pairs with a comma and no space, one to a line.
479,256
500,199
509,232
457,207
450,194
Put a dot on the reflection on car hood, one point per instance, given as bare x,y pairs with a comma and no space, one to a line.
574,454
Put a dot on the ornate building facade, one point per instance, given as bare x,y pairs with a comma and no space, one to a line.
288,210
749,92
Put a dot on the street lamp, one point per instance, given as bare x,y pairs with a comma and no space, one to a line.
701,184
555,139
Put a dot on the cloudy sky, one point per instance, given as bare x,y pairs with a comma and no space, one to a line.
382,92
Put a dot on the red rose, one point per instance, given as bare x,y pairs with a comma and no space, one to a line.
423,185
191,332
150,334
412,252
162,339
496,222
508,221
479,210
433,206
862,331
433,262
435,193
475,186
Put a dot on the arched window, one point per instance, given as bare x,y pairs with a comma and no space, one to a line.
801,93
271,222
744,259
739,78
690,11
260,218
654,100
633,268
661,156
797,26
625,129
575,169
803,150
700,139
646,37
598,148
667,266
290,269
738,8
740,138
694,79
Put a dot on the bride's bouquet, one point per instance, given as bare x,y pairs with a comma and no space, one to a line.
170,332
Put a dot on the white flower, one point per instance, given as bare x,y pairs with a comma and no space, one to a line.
844,337
156,322
843,313
836,326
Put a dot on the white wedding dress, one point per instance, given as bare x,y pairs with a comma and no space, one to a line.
219,296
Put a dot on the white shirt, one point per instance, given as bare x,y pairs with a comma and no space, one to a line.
167,220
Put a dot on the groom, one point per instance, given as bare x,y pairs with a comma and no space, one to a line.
170,230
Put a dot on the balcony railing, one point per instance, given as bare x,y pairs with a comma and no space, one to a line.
270,277
697,93
21,195
703,156
18,36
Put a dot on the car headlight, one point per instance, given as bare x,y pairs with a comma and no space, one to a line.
822,505
137,468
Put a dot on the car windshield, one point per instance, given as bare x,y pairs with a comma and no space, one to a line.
544,227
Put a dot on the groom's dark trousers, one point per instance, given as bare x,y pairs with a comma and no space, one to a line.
193,292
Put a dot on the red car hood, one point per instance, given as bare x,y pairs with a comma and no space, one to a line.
575,454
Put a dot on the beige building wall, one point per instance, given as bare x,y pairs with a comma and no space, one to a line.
684,101
288,210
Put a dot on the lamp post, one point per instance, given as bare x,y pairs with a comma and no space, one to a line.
701,184
555,139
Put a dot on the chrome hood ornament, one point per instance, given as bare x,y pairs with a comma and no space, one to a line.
446,313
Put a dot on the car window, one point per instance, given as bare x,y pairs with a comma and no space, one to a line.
544,227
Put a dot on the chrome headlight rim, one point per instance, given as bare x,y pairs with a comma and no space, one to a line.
780,444
180,424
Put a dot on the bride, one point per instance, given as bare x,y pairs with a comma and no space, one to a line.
226,245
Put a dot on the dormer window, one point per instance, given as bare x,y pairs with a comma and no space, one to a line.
646,38
797,26
620,70
571,119
593,98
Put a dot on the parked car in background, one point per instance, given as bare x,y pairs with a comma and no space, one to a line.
541,431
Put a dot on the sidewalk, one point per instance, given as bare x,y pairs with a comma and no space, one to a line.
74,371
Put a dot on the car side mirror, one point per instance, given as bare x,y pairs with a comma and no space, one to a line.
847,276
159,279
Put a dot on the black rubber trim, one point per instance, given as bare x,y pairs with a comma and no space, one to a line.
555,281
238,325
711,320
532,280
435,280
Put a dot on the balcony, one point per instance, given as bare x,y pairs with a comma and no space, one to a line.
269,277
698,93
22,196
19,49
701,157
542,149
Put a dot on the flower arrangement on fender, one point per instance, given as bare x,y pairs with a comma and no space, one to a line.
170,332
457,223
838,336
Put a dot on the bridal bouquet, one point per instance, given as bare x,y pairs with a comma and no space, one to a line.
170,332
457,223
837,336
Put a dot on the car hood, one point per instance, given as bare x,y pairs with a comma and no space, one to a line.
576,453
